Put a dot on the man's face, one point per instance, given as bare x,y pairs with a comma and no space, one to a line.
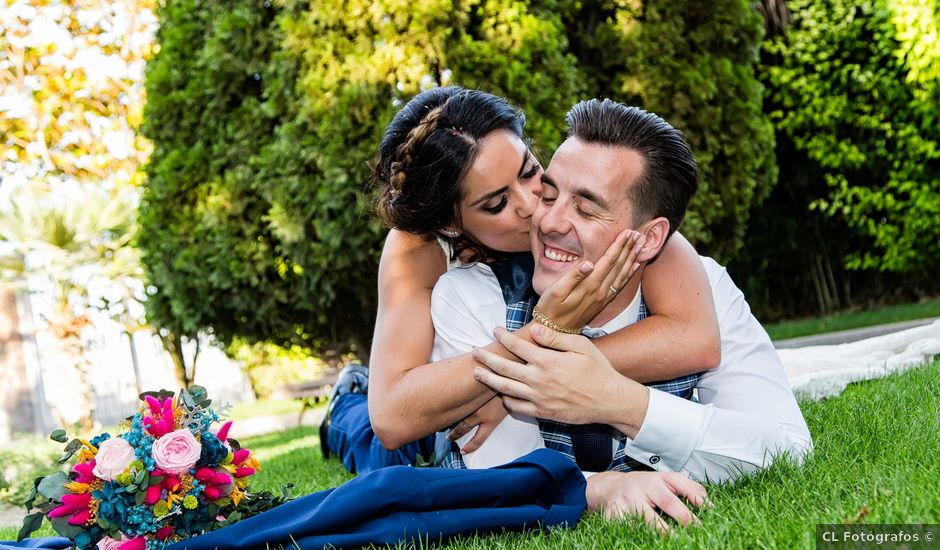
584,206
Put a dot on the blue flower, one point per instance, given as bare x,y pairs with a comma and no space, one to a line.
97,441
213,452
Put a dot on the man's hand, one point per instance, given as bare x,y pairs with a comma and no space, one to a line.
563,378
486,418
620,494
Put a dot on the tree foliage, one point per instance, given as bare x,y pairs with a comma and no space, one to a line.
853,94
256,219
856,92
71,90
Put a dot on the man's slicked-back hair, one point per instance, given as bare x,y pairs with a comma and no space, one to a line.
669,178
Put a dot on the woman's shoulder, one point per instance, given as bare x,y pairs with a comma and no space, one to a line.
411,259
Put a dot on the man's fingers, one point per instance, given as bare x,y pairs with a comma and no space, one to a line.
674,508
650,516
526,351
500,365
686,488
501,384
520,406
551,339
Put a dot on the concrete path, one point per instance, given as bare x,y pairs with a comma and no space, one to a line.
853,335
11,516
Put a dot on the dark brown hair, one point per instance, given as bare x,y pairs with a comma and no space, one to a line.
425,154
670,175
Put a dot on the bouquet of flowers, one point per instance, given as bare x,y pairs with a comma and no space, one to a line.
168,476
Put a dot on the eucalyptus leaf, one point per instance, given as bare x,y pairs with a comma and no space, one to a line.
59,436
31,498
53,486
62,527
199,393
31,523
160,395
74,445
139,497
66,456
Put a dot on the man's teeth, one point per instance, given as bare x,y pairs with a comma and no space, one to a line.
558,257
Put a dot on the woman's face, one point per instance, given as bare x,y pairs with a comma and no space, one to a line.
500,192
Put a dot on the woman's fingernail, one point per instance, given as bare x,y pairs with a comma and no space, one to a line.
538,330
587,267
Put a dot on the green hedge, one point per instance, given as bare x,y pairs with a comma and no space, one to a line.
255,219
853,94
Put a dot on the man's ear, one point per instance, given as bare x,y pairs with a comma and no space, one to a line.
656,231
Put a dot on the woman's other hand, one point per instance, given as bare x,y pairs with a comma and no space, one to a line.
486,418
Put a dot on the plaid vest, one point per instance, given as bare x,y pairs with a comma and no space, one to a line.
557,435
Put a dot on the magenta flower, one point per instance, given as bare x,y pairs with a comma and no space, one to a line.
163,426
85,471
222,434
75,507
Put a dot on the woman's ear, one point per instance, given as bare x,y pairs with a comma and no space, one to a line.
656,232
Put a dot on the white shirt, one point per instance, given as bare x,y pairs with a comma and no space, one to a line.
746,413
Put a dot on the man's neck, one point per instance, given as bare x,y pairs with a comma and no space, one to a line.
621,302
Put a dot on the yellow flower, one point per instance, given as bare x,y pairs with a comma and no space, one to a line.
161,508
237,496
190,502
78,488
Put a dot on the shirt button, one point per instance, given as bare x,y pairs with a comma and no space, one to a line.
654,459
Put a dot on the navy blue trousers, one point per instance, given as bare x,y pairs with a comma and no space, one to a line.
400,504
351,439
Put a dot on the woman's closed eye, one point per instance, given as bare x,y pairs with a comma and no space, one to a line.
532,172
498,207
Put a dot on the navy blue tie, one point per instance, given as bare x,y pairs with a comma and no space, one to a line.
592,444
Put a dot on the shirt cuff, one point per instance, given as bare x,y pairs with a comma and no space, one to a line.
670,432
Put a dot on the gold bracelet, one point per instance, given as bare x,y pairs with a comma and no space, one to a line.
541,319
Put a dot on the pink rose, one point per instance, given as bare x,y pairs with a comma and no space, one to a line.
108,543
176,452
113,458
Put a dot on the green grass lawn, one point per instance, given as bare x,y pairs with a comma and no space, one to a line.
850,320
875,462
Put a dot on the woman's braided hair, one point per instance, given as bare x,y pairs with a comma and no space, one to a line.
425,154
417,135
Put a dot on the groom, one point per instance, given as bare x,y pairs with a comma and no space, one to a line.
622,168
616,172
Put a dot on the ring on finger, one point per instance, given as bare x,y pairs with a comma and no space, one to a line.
614,290
463,426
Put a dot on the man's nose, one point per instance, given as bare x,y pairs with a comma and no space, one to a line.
553,219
